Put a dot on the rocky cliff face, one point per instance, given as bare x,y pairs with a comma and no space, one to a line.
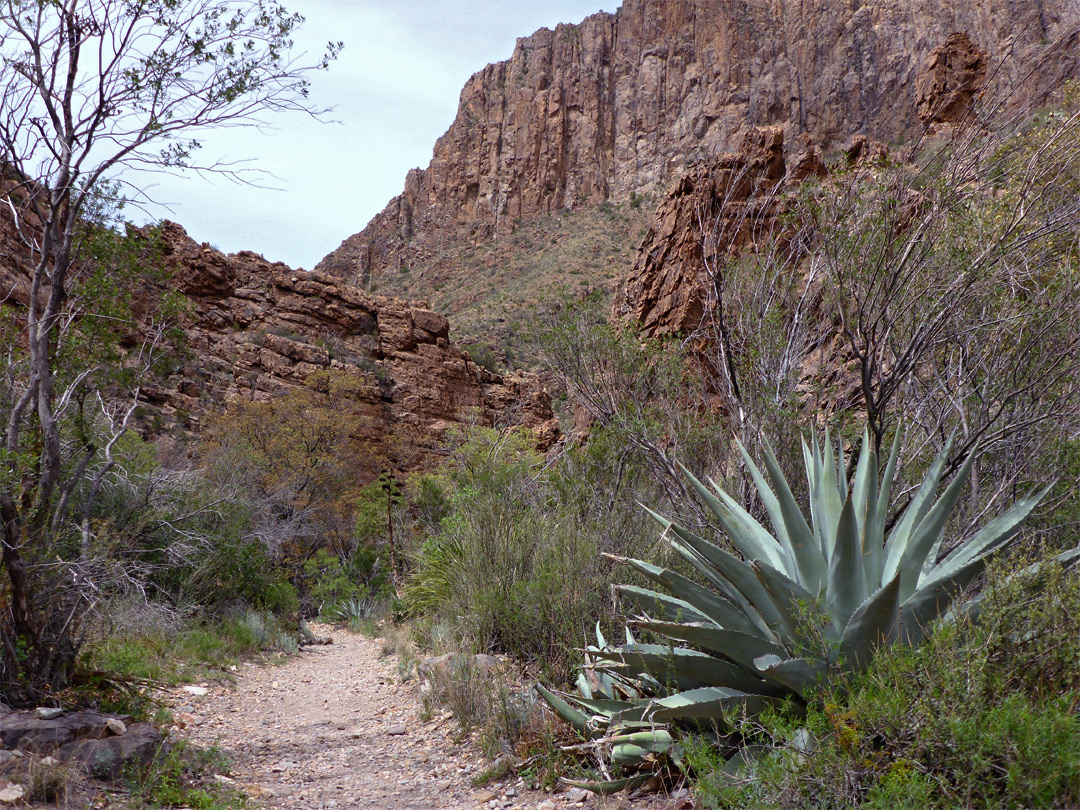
621,103
718,205
722,203
254,328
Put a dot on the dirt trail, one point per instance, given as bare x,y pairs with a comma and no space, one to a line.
332,728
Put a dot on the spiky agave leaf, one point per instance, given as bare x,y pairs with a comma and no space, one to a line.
740,641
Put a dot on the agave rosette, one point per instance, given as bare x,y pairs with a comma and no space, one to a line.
742,641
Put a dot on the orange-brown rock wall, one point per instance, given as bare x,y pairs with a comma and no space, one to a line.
254,328
622,103
718,205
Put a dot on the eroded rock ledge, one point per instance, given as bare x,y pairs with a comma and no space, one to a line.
255,327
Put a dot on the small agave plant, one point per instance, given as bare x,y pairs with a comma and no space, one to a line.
743,642
353,612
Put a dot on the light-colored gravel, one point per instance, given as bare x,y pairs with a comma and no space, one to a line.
333,728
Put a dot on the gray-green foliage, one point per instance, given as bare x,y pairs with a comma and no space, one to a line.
982,715
358,613
649,396
797,607
511,565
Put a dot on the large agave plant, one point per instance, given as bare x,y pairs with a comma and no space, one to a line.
747,639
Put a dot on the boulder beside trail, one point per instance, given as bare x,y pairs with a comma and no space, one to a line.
88,737
107,757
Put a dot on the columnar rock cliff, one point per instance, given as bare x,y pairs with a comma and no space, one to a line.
722,203
620,103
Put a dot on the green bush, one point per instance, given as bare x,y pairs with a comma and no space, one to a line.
484,356
280,598
983,715
192,653
181,777
515,564
331,582
233,570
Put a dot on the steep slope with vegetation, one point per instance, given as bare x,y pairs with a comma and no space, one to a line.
490,290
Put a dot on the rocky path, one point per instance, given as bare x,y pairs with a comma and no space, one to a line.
333,728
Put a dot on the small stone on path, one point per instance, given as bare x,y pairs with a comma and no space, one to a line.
11,793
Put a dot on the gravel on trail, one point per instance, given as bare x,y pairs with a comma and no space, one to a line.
333,727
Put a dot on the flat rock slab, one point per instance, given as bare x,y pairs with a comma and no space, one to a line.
107,757
29,732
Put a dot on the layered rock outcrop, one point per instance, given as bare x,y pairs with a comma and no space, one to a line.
717,206
254,328
949,81
621,103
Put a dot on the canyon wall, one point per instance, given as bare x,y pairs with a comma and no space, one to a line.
620,104
253,328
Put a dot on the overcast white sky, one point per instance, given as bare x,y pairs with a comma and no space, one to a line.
395,89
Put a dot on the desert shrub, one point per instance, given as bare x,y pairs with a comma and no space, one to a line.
234,570
176,539
484,699
297,463
190,653
484,356
330,581
182,776
49,782
649,397
280,598
507,718
515,565
982,715
178,576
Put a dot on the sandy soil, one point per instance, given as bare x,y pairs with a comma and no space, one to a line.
333,728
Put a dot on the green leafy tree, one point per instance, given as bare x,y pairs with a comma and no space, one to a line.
93,88
295,456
